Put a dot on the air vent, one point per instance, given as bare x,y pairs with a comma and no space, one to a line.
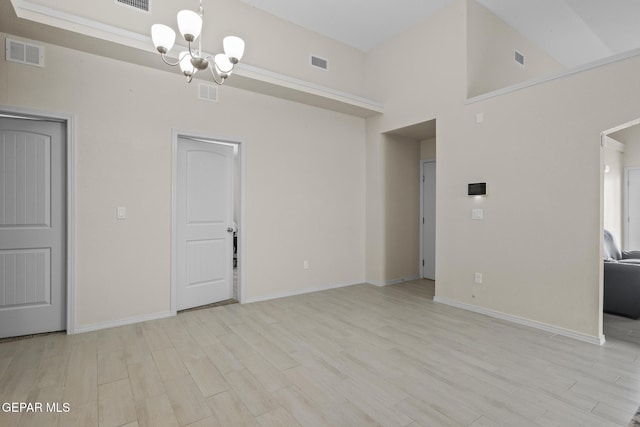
143,5
318,62
518,57
208,92
24,53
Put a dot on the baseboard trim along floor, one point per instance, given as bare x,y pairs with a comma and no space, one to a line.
522,321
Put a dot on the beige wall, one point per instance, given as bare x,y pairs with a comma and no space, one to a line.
630,137
402,186
428,149
490,53
303,201
539,151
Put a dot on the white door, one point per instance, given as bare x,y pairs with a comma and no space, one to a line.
204,252
429,220
32,227
633,209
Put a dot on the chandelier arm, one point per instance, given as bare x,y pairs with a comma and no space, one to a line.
213,74
162,55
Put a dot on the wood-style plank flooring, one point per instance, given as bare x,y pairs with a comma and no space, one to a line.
354,356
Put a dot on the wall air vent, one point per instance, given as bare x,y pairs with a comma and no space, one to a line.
24,53
208,92
519,58
143,5
318,62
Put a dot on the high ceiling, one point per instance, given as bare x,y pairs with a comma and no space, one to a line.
574,32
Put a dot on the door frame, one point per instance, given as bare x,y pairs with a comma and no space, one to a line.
423,162
625,208
241,232
70,214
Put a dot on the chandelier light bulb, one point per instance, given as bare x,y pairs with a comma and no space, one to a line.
189,24
233,48
223,64
163,37
185,63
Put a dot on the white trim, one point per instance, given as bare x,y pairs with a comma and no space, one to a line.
555,76
175,134
591,339
69,120
394,281
123,322
619,127
608,142
263,75
302,291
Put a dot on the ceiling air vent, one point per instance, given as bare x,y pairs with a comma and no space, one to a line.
318,62
518,57
24,53
208,92
137,4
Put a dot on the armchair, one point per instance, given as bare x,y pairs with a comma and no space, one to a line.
621,279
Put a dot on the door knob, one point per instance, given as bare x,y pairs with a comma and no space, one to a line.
230,229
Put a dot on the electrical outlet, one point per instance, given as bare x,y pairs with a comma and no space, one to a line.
478,278
305,264
121,212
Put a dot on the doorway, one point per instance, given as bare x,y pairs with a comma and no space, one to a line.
206,240
33,225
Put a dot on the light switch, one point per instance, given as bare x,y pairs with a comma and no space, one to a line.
121,212
476,214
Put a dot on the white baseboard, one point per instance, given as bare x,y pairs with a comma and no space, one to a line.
302,291
122,322
394,281
591,339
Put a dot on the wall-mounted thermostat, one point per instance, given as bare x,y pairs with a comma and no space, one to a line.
478,189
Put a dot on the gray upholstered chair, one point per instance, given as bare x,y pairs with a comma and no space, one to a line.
621,279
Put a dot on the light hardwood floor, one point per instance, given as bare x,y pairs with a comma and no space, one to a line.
360,355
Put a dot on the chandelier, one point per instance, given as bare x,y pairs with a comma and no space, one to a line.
191,61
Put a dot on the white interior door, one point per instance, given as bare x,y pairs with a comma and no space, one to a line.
429,220
204,252
632,203
32,227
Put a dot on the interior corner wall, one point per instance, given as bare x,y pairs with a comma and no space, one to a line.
433,82
303,201
491,46
375,250
401,160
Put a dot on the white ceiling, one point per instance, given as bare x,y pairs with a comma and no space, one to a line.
574,32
